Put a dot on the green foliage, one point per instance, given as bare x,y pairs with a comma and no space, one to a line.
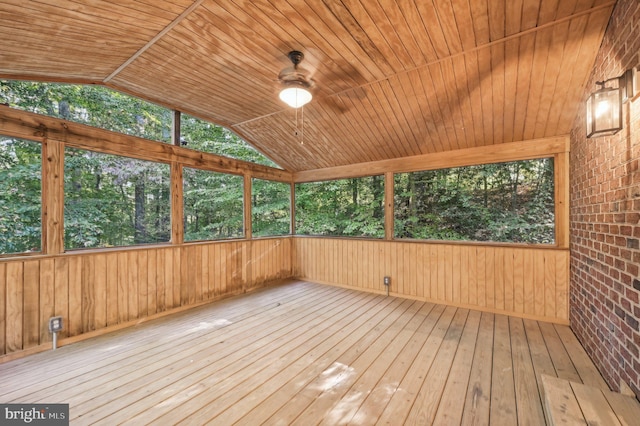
207,137
212,205
345,207
114,201
93,105
507,202
271,208
105,108
20,199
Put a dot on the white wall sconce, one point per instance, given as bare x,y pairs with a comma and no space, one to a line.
604,106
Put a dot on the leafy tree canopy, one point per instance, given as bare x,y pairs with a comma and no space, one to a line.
506,202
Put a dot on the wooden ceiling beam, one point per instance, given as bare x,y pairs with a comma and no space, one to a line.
36,127
154,40
514,151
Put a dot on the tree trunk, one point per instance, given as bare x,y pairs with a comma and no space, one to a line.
485,189
378,194
140,230
411,190
354,191
514,189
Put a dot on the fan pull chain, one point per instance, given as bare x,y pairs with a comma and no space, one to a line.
299,131
302,125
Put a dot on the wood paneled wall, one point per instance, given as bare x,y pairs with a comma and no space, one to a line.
107,289
521,281
101,291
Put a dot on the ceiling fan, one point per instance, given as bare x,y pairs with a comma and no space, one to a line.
296,82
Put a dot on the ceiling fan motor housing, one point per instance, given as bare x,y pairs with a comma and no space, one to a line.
295,81
295,76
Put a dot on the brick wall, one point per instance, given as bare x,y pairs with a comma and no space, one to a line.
605,213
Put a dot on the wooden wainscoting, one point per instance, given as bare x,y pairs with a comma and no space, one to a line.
529,282
101,291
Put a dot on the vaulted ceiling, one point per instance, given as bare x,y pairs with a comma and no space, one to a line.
391,78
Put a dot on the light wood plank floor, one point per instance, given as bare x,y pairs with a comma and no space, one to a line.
304,353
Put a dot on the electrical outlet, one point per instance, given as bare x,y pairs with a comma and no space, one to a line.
55,324
387,280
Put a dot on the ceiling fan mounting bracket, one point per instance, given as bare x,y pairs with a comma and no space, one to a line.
296,57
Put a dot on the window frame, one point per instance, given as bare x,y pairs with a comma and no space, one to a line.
54,134
134,244
370,218
551,158
290,210
242,215
43,207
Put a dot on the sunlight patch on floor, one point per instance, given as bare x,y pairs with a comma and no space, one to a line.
209,325
334,376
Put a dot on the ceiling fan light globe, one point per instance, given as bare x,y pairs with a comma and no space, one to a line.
295,97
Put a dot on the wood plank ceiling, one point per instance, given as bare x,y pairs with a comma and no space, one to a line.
391,78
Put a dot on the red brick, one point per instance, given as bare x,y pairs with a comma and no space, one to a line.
605,218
